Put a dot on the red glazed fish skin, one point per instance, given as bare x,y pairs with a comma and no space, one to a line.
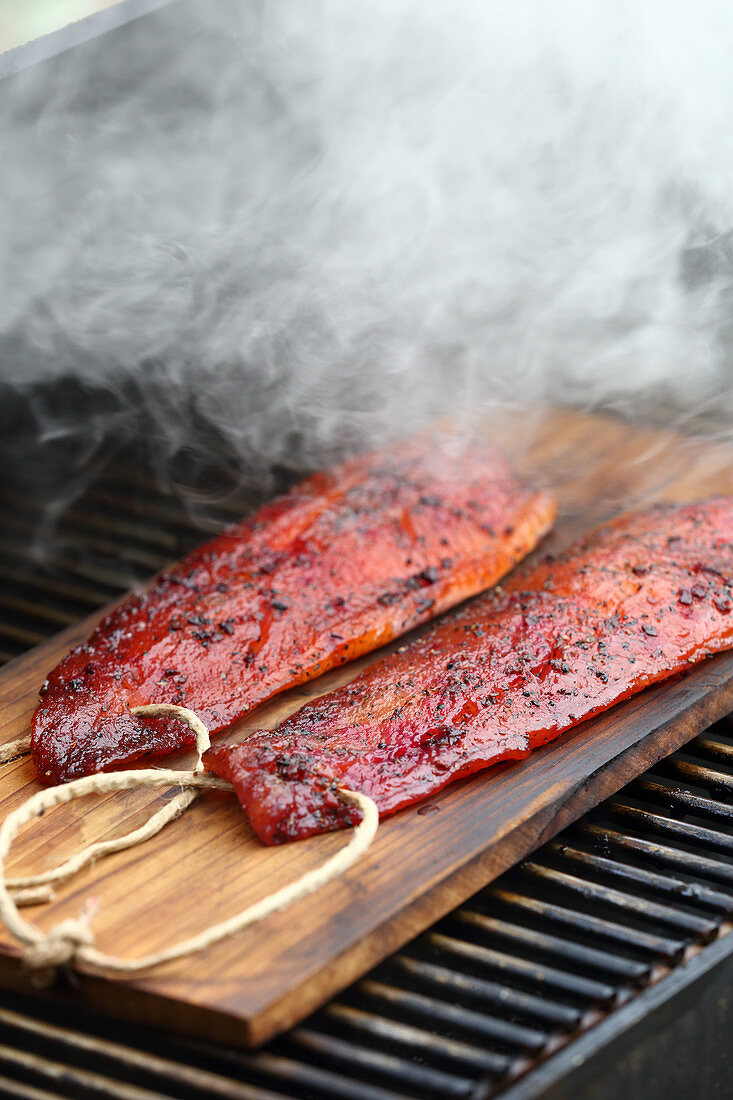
629,605
346,561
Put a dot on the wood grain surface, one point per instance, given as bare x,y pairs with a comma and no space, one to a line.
208,865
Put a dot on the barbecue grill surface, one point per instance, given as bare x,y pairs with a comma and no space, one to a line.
591,927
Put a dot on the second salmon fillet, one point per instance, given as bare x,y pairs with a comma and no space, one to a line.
628,605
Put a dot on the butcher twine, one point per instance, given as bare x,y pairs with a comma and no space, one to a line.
13,749
72,940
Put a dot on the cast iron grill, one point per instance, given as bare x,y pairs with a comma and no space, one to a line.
556,945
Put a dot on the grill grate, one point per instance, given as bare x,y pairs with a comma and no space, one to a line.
55,571
549,950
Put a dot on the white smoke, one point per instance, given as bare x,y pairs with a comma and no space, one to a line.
310,225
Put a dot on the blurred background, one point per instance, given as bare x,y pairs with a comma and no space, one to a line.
296,230
23,22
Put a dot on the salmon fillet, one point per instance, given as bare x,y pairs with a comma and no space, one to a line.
344,562
630,604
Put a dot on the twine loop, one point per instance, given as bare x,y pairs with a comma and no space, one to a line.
72,939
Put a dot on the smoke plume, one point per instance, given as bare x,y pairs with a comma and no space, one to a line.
299,228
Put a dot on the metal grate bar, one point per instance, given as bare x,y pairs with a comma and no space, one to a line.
591,925
681,798
638,876
683,830
595,958
391,1034
698,773
54,588
519,967
632,904
490,995
715,747
136,553
17,1090
392,999
664,853
82,1081
406,1072
63,1039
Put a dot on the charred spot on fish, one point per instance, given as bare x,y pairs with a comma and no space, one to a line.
388,598
197,620
559,666
649,629
443,737
429,575
268,568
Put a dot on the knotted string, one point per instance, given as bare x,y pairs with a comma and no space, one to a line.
33,889
72,940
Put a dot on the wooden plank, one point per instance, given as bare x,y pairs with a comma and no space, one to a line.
208,865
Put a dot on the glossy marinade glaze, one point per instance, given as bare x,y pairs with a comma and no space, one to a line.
628,605
344,562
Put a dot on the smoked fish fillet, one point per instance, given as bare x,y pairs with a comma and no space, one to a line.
344,562
630,604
